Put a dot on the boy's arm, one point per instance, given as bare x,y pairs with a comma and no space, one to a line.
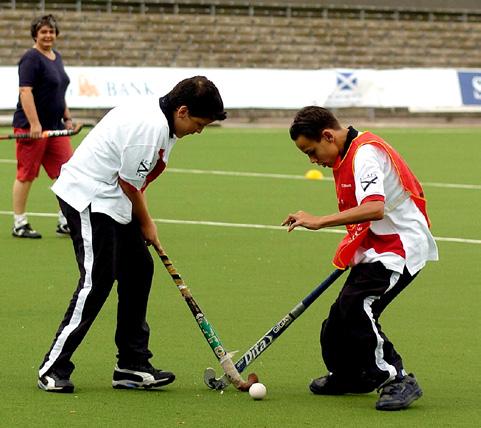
141,213
367,211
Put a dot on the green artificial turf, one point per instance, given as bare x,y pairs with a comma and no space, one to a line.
245,279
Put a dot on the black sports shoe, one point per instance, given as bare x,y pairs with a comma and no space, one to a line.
25,231
63,230
326,385
399,393
333,385
51,382
141,376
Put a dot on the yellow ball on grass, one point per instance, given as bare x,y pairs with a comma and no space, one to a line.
314,174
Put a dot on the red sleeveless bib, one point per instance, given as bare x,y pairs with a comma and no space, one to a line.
346,194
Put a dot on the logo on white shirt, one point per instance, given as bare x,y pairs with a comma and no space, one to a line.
368,180
143,168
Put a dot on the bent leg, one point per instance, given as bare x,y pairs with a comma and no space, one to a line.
353,344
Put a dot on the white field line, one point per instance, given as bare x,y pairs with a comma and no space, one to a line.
253,226
239,174
301,177
283,176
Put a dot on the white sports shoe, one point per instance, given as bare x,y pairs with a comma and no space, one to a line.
51,382
25,231
145,376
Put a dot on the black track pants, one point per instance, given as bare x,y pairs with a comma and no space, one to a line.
354,347
106,251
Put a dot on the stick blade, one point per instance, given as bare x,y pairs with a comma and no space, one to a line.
212,382
209,377
251,379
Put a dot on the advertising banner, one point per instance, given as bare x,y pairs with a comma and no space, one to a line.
417,89
105,87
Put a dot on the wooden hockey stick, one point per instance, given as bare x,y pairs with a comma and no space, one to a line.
224,357
271,335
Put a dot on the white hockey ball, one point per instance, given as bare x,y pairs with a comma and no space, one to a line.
257,391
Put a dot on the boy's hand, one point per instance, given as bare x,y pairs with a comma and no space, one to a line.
303,219
149,232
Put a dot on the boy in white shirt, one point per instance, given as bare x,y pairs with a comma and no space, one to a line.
101,193
382,205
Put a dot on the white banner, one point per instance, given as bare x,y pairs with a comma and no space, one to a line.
8,87
415,89
412,88
105,87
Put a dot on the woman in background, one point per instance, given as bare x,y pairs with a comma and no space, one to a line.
41,106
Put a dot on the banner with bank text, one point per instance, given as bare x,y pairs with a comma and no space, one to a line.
416,89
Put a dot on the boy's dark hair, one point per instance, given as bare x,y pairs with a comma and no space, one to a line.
41,21
311,121
201,97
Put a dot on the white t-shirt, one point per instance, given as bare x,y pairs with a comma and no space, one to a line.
126,143
374,174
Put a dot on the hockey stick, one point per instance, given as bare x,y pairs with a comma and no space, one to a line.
45,134
271,335
225,358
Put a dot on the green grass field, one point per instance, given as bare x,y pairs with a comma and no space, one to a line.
246,276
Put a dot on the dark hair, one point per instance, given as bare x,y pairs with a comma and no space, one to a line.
201,97
311,121
41,21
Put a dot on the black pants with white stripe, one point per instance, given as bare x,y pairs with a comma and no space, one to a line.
354,348
106,251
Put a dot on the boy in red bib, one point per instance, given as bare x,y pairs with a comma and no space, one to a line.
388,242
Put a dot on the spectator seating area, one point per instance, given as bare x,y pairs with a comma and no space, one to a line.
189,39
